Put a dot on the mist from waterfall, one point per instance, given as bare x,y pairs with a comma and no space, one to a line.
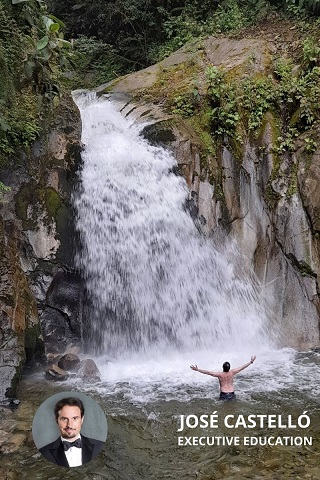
154,283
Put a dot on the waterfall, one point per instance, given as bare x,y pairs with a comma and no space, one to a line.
154,283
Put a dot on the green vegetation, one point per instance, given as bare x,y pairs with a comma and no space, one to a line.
115,37
31,60
187,105
237,102
44,199
289,93
111,38
3,190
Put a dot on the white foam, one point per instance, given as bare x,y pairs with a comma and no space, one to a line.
275,372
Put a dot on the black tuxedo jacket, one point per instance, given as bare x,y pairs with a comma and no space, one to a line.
54,451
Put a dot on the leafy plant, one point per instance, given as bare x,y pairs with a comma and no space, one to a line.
93,62
294,8
297,6
46,41
31,60
310,145
311,52
3,190
257,98
229,16
286,142
222,98
216,83
187,104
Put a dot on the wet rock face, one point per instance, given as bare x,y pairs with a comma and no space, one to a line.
19,324
62,314
277,240
268,203
37,246
309,180
89,371
11,356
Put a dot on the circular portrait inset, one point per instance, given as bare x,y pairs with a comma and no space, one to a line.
69,429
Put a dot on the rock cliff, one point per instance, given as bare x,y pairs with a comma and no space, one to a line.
40,294
268,202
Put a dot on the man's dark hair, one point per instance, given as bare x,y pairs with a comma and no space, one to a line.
226,366
73,402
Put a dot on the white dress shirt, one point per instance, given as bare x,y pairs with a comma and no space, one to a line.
73,454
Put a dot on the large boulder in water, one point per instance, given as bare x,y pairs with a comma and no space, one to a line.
89,371
57,374
69,362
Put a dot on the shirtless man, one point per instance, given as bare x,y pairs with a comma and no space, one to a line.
225,378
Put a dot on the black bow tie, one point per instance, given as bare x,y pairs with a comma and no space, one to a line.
76,443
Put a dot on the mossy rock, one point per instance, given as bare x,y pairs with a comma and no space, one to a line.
34,202
27,195
271,197
52,202
12,390
33,343
40,199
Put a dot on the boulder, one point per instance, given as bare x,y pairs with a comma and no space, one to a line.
57,374
13,443
69,362
89,371
8,425
53,358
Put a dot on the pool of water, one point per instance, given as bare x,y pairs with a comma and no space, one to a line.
144,402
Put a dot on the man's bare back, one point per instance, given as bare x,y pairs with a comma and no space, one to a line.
225,377
226,381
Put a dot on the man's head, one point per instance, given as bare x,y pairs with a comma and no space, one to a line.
69,413
226,366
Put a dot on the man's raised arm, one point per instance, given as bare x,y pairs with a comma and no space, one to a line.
206,372
237,370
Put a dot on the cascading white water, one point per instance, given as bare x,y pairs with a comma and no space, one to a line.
153,281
